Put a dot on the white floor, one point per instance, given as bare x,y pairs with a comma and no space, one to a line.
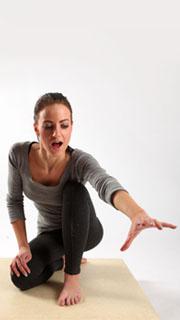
164,297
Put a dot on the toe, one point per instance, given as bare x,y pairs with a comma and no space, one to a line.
62,302
76,300
68,302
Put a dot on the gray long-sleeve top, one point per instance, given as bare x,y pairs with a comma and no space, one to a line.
82,167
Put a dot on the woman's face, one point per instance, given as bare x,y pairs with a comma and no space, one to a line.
54,128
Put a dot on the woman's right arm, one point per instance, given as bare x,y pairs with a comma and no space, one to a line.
16,212
20,232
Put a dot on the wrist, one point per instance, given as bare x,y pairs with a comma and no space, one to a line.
23,245
138,213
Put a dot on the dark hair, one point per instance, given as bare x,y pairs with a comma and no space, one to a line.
49,99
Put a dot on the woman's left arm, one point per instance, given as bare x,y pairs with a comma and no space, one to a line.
140,220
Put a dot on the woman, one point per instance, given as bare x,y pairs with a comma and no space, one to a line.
53,174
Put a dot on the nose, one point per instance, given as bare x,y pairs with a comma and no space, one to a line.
56,131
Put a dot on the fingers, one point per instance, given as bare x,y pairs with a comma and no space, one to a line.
142,223
133,232
19,266
24,265
150,223
14,269
127,243
168,225
131,235
160,225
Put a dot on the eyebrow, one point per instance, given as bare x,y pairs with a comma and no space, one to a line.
59,121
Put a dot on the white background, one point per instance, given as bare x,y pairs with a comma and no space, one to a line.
118,64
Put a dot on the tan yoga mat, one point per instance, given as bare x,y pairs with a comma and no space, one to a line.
110,293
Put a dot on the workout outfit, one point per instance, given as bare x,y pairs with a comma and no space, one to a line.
67,222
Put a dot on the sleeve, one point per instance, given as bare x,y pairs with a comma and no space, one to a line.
15,194
89,170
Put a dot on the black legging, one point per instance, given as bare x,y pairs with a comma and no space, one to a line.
81,231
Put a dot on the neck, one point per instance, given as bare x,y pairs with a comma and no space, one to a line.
48,161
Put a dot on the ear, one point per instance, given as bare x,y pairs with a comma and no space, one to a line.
36,128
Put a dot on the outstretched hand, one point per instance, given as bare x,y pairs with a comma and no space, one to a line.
143,221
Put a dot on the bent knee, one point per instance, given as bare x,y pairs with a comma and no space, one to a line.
25,283
75,188
22,282
95,239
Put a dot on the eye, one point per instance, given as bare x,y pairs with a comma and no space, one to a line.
47,126
64,126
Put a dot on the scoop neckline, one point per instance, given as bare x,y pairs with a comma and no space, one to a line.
29,144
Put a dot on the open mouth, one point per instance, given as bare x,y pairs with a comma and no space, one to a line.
56,145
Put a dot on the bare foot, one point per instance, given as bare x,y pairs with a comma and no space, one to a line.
71,292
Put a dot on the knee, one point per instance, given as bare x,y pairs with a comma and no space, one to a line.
95,238
75,188
20,282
